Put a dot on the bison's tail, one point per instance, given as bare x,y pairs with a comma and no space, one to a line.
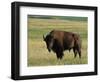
77,40
77,44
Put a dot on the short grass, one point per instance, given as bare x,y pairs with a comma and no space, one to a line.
38,54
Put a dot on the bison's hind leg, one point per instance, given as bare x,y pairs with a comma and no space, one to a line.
79,52
75,52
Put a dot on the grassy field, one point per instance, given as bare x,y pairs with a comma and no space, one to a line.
38,54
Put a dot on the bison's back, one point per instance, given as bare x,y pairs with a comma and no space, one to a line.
66,39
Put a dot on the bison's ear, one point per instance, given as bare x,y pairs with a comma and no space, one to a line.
43,38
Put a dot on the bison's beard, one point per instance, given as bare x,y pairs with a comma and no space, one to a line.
50,46
49,50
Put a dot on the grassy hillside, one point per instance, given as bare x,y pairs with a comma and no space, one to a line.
71,18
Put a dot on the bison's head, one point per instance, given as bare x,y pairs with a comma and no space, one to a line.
49,41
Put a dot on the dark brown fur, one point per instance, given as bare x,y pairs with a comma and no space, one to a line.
59,41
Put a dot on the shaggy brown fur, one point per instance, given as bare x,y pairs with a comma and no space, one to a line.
58,41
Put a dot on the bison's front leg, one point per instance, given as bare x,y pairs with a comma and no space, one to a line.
59,55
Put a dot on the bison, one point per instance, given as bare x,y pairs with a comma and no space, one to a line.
59,41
